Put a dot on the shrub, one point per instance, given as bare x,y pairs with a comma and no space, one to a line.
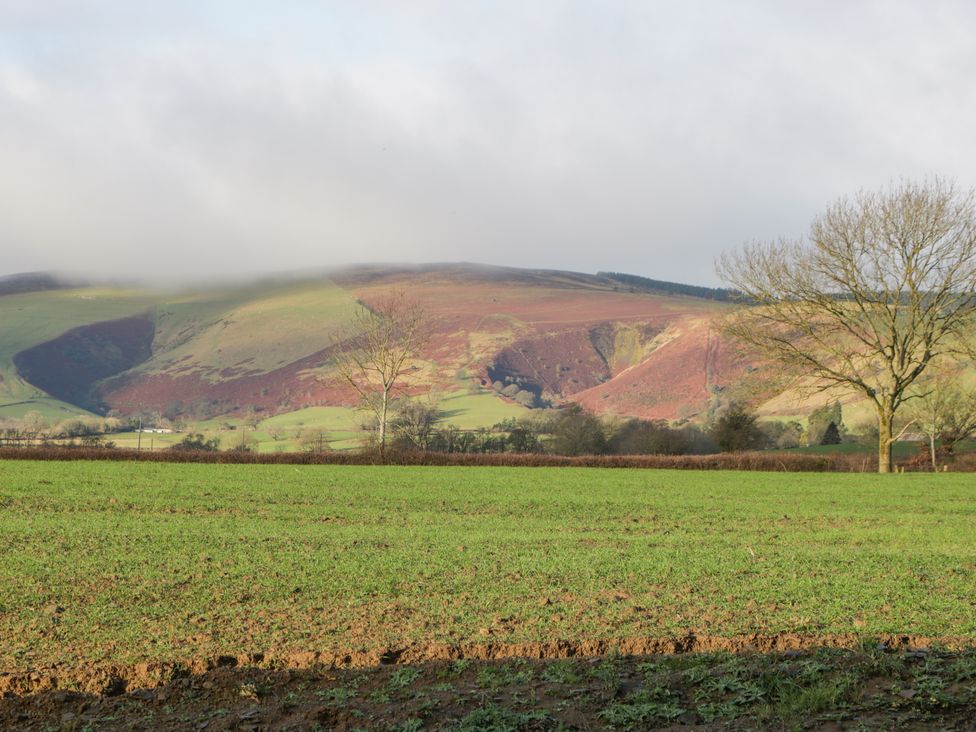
820,420
196,442
511,390
780,462
782,435
831,435
640,437
736,430
578,433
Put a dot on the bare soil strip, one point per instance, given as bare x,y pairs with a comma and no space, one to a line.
108,680
876,688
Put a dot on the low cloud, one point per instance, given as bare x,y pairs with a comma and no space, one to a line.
196,140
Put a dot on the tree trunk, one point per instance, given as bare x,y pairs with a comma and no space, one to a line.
885,422
383,425
935,467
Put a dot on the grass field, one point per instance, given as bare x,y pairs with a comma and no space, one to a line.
341,425
131,564
211,559
899,450
53,410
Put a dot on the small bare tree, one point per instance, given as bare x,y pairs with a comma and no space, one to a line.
32,425
884,285
314,440
376,351
944,413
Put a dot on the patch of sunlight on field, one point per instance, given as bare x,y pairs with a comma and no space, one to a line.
51,409
467,411
251,330
144,441
483,409
327,418
211,559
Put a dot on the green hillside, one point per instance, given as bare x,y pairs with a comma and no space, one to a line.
35,317
254,328
213,334
223,352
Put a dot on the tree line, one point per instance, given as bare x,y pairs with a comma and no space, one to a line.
878,301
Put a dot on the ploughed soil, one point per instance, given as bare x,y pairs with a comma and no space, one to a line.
774,682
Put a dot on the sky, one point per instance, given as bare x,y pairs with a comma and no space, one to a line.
196,139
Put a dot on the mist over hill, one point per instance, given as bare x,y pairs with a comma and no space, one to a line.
614,343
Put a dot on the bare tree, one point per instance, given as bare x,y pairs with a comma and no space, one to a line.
944,413
376,351
32,425
414,424
883,285
314,439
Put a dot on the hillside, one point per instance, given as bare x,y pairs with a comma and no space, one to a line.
614,347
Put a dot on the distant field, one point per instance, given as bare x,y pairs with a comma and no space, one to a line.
342,425
109,562
51,409
484,409
900,450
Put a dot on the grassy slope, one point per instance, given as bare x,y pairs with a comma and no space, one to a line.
53,410
207,559
483,409
259,328
32,318
342,425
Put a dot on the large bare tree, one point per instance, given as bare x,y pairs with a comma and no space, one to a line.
883,285
376,350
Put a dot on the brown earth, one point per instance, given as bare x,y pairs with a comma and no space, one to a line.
876,687
103,679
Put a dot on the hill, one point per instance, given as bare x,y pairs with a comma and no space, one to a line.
611,343
33,282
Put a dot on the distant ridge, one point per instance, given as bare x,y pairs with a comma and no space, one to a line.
672,288
362,274
619,344
16,284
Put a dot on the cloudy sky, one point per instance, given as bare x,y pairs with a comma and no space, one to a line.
204,138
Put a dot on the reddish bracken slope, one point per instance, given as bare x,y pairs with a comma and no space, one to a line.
563,336
575,339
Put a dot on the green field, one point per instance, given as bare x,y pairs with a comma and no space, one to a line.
342,426
51,409
125,562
